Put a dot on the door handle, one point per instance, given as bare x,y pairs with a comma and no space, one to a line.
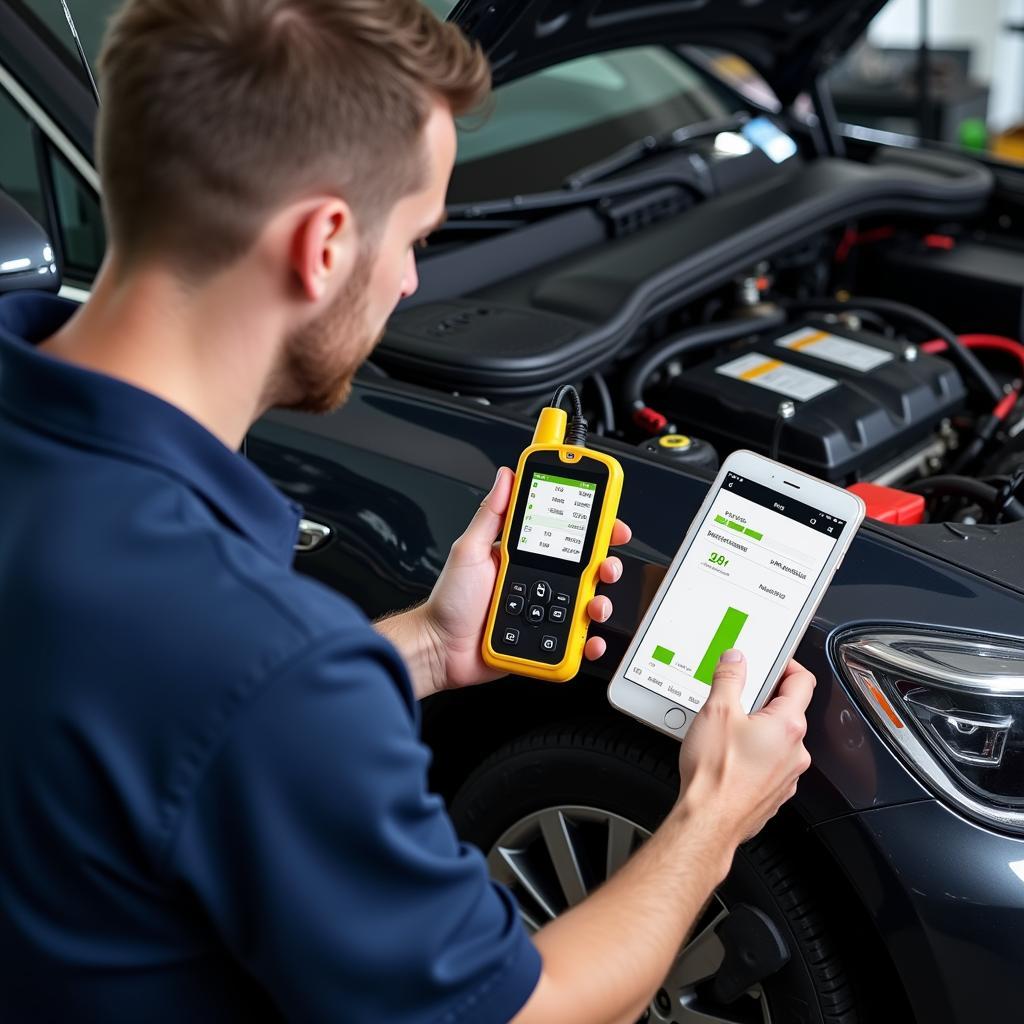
312,535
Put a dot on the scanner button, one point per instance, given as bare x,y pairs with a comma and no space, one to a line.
675,718
563,599
517,588
541,592
514,604
510,636
549,644
556,613
535,613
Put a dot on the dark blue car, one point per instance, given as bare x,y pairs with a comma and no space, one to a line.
629,223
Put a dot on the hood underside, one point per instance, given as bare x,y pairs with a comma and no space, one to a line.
789,42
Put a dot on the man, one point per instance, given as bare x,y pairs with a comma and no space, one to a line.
213,800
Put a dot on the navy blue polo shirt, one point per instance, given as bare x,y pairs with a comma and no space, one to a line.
213,797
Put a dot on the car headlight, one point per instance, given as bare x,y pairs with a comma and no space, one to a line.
952,704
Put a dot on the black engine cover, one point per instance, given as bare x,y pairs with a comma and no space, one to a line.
857,406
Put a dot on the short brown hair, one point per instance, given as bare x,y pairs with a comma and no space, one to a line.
215,112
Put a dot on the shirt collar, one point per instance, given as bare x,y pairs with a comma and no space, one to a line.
105,414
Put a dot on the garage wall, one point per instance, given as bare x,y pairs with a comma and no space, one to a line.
998,55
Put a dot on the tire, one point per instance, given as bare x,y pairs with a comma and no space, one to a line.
566,781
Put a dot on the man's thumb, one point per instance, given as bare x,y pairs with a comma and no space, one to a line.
486,525
730,677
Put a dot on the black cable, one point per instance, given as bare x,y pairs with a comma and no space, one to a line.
787,410
568,389
576,429
984,430
773,452
970,488
605,396
689,341
1008,492
967,359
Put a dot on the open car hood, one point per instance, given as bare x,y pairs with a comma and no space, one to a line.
788,41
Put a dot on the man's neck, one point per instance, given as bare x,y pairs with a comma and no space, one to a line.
207,351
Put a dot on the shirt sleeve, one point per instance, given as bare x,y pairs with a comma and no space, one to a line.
332,873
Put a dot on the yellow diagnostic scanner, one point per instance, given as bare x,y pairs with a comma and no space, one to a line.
556,536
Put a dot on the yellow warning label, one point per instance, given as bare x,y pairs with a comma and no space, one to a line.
775,375
757,371
810,339
833,348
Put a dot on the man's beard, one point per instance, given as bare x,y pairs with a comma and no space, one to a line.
321,359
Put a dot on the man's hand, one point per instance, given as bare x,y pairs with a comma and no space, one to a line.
456,610
441,639
606,957
744,766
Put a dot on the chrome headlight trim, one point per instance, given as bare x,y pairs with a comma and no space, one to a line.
954,661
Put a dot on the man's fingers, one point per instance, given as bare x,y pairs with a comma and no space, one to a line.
594,648
485,526
729,678
789,713
621,534
797,685
611,570
599,609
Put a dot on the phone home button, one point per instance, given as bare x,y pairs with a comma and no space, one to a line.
675,718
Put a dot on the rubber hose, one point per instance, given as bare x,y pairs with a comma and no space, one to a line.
968,487
689,341
605,396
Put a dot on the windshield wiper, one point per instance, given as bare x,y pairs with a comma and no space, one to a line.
652,145
81,51
687,176
588,184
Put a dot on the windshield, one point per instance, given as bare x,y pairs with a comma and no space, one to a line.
541,128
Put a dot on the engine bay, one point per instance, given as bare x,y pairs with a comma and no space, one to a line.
858,317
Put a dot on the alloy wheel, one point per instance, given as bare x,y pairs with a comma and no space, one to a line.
552,859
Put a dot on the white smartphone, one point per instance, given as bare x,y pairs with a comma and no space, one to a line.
750,573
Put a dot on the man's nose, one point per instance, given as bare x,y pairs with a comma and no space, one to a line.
410,279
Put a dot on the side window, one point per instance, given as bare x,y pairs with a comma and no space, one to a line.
19,176
82,237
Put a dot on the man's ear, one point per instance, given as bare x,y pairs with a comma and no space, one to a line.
324,247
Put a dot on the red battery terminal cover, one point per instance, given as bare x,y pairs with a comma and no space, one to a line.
890,505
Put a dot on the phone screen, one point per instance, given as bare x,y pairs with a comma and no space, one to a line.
742,583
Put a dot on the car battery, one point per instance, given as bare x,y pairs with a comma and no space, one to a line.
858,401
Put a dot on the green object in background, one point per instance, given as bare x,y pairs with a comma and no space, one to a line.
725,637
664,655
974,134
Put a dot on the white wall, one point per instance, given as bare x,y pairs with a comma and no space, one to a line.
998,56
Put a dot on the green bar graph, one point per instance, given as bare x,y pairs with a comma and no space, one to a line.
753,533
734,526
725,637
664,655
722,520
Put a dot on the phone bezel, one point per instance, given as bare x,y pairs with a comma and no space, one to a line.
651,708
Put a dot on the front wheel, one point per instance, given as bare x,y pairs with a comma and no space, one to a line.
558,811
